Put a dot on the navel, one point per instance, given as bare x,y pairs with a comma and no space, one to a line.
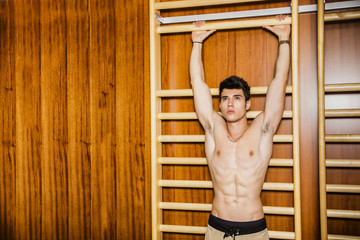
218,152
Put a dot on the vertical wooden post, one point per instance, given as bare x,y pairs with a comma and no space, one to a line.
321,117
296,119
155,84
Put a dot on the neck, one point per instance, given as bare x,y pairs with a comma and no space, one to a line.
236,129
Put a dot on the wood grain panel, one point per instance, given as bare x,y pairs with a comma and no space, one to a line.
7,127
75,156
308,127
26,73
133,165
102,112
78,106
54,120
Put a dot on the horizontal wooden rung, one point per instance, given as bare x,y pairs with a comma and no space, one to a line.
341,237
337,213
348,138
185,206
193,116
197,3
281,235
341,16
275,162
348,163
281,162
182,229
201,138
185,184
202,230
207,207
343,188
183,161
346,87
208,184
342,113
213,92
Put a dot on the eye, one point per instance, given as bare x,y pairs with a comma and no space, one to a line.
237,98
224,98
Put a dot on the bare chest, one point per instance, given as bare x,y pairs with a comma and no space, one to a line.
242,154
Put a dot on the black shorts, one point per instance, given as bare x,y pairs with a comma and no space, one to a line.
230,228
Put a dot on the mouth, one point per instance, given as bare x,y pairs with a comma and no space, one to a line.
230,111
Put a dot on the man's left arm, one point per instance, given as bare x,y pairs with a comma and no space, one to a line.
275,97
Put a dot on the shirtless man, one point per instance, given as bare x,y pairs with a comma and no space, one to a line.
238,154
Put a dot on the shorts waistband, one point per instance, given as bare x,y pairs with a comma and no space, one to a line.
231,228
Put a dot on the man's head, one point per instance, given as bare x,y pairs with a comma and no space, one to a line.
234,98
235,82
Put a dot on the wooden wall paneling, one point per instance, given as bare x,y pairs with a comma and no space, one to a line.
78,121
59,167
132,153
54,111
7,124
102,113
26,73
308,126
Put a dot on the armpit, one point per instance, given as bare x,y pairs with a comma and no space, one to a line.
266,128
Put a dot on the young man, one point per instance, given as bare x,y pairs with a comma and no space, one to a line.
238,154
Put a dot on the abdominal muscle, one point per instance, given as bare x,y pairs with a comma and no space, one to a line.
237,191
237,208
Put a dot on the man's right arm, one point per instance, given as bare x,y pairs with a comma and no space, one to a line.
202,96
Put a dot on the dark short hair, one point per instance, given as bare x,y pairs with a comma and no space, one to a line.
235,82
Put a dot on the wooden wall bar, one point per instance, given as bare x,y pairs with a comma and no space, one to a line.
342,65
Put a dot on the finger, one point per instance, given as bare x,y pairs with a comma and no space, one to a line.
200,23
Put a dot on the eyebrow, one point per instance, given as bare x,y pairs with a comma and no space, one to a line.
236,95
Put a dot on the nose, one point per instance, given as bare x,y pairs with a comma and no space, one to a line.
230,102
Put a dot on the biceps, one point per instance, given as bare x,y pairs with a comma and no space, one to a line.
203,103
274,106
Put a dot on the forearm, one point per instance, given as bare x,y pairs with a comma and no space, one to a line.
275,97
196,64
283,60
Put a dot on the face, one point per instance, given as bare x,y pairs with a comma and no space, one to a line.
233,105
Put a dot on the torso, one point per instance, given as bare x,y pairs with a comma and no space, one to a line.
238,170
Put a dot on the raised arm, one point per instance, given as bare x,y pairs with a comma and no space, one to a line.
275,98
202,96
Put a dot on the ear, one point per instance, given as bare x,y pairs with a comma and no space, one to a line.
248,104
